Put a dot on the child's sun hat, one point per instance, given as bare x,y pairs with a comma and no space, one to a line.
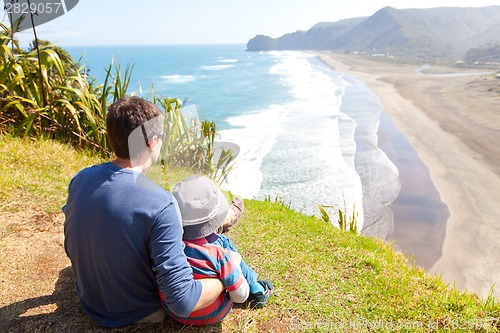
203,206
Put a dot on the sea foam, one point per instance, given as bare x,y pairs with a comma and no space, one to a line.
378,174
216,67
227,60
302,150
177,78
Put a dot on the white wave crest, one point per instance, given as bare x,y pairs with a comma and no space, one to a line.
176,78
216,67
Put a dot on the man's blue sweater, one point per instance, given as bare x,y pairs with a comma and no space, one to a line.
123,235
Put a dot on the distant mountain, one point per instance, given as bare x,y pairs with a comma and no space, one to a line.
445,32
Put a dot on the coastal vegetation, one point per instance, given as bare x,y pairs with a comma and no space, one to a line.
46,96
345,221
52,96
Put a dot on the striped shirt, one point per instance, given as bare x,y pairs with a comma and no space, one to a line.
209,259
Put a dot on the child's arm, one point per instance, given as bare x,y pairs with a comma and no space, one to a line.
240,294
236,284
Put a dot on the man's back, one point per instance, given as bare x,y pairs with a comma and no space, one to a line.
121,234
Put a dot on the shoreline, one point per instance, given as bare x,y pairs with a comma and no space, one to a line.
419,215
452,124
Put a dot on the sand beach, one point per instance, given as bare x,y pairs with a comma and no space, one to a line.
452,120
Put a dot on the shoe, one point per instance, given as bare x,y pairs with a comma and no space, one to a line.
259,300
237,207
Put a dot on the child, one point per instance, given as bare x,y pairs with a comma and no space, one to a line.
204,211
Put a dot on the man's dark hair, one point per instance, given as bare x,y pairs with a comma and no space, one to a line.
125,115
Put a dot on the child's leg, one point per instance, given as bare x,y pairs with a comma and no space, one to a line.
247,271
235,210
260,291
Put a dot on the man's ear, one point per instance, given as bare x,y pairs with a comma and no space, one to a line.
153,142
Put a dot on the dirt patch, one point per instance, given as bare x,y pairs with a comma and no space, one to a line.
31,259
37,285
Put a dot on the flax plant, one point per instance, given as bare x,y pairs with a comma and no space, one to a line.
190,143
72,108
76,107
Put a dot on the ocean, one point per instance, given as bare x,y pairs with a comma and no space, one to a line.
307,133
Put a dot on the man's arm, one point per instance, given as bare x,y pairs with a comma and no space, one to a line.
211,289
174,275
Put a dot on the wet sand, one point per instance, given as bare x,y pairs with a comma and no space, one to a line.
419,214
453,122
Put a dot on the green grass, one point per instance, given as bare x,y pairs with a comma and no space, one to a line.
326,275
37,172
325,280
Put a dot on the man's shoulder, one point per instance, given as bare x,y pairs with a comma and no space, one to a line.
87,174
146,184
91,170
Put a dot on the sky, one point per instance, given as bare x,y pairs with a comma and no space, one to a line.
147,22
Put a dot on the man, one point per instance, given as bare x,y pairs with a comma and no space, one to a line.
123,233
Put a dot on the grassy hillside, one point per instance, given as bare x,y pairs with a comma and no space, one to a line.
326,280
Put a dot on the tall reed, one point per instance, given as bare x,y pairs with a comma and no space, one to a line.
345,222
